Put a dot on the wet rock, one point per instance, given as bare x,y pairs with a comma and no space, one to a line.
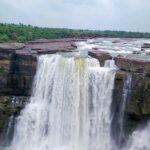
116,41
16,75
101,56
138,104
137,52
10,106
145,45
95,48
120,55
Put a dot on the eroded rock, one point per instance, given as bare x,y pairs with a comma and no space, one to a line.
101,56
137,110
11,46
134,63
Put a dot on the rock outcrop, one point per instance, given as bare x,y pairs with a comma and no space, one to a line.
18,63
10,107
11,46
134,63
138,104
137,111
100,55
145,45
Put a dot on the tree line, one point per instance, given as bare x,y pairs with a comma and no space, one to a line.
23,33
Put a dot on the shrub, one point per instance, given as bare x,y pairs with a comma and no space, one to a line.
21,39
2,69
4,38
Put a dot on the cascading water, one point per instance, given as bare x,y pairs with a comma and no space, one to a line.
69,108
100,94
140,139
121,119
110,64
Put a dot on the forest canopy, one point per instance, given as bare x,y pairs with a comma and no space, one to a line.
22,33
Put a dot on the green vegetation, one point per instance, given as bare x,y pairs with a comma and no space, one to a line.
22,33
4,38
2,69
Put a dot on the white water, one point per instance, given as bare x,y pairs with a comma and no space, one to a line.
140,139
125,96
69,108
110,64
124,46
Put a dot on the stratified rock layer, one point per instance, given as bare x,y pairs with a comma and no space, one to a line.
18,66
138,104
134,63
18,63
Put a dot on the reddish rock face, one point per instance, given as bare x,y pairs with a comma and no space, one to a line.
18,62
38,41
11,46
101,56
134,63
44,46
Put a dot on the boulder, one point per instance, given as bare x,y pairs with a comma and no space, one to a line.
145,45
95,48
116,41
100,55
137,52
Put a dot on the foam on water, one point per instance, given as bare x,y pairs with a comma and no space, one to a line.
69,108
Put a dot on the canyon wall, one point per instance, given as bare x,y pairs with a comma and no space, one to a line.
18,66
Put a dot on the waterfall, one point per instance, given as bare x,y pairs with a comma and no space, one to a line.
69,108
100,94
125,97
110,64
140,139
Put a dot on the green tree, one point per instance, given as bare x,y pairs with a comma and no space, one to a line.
4,38
21,39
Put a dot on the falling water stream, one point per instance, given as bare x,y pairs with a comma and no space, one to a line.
140,139
121,119
69,108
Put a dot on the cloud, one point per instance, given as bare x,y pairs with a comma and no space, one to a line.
131,15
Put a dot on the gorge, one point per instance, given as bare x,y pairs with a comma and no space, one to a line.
76,101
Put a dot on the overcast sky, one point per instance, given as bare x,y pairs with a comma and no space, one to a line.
129,15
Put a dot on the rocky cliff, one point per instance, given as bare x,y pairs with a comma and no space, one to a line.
18,66
18,63
137,111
